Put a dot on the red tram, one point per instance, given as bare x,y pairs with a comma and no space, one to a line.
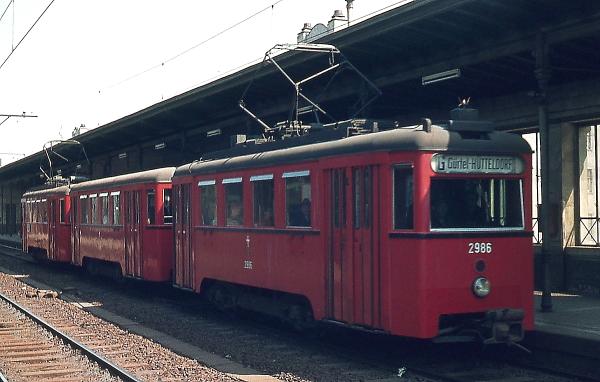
122,225
422,231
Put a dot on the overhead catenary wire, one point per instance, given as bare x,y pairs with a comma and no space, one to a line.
212,37
26,33
6,9
254,61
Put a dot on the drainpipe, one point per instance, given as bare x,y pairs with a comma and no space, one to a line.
542,74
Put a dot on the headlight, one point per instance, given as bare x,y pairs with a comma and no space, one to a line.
481,287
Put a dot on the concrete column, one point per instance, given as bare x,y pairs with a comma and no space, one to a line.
569,181
549,213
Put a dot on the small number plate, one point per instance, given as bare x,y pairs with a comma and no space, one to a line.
480,247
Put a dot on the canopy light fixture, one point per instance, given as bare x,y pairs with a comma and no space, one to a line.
442,76
212,133
122,155
160,146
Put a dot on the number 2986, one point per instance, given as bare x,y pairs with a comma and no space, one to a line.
480,247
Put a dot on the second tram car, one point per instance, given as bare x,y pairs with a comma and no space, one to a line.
122,225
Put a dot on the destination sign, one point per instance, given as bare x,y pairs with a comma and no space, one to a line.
476,164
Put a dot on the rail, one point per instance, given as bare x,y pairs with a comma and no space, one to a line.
103,362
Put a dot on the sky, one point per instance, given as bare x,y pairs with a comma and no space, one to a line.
91,62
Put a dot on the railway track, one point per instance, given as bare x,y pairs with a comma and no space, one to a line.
34,350
422,360
126,356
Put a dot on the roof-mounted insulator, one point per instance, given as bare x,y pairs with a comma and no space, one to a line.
426,123
467,119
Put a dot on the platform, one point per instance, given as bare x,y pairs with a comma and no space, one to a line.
573,325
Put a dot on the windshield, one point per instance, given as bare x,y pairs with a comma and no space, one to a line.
476,204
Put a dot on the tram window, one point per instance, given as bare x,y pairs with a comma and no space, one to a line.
104,206
368,199
116,208
94,209
208,202
234,200
263,190
167,207
403,198
84,210
43,212
44,205
62,211
476,203
335,180
151,207
357,196
297,199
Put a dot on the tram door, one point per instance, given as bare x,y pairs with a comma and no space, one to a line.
184,263
353,264
52,230
24,225
133,233
75,233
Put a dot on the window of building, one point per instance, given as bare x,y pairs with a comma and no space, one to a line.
208,202
234,200
167,207
151,206
116,208
403,197
105,212
298,199
63,215
588,216
263,189
534,142
94,209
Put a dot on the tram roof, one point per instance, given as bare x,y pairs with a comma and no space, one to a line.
47,191
412,138
161,175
